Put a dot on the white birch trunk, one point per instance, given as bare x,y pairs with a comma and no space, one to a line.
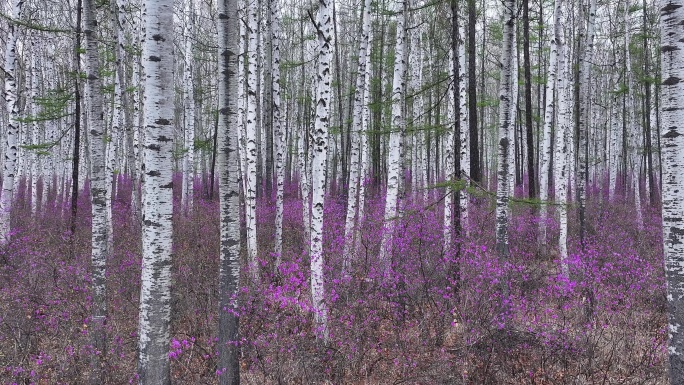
395,142
98,188
250,139
278,131
672,141
357,133
463,119
549,112
187,195
563,145
365,122
158,116
584,114
632,127
506,124
448,157
320,153
229,194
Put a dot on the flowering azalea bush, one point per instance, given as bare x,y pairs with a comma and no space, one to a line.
427,314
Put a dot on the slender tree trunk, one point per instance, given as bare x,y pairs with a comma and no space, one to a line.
320,155
584,115
187,196
549,112
357,120
157,208
98,191
633,127
563,145
475,168
506,124
11,154
395,142
251,139
278,132
75,165
531,175
672,48
229,194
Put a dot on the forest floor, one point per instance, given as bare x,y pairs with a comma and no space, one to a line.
432,316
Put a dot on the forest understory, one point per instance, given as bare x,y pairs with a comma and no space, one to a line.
434,316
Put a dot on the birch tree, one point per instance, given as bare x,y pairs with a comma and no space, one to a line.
11,154
584,112
251,138
320,153
278,132
158,118
229,193
187,195
394,152
355,166
506,123
672,140
549,112
562,152
98,188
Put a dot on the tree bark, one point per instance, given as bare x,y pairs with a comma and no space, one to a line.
157,187
229,194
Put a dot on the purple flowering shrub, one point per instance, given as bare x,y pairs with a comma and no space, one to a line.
426,315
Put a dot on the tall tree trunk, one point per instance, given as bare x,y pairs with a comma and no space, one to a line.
229,194
98,191
251,139
187,196
632,126
475,168
584,115
563,145
395,142
672,115
76,151
278,132
155,293
549,112
11,154
357,132
506,124
531,175
320,154
463,124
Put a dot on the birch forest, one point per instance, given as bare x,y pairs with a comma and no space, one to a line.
342,192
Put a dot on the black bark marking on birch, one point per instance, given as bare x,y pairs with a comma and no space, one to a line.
154,173
669,8
162,121
671,134
154,147
669,48
168,185
671,81
155,58
158,37
163,138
